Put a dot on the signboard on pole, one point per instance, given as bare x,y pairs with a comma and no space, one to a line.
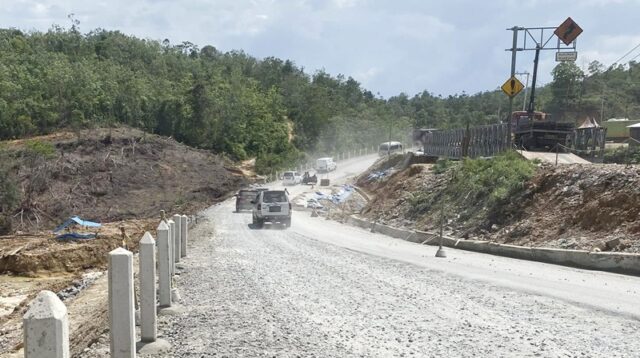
512,87
568,31
566,56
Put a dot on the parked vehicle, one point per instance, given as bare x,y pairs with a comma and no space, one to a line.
325,165
244,198
291,178
388,148
309,179
272,206
538,131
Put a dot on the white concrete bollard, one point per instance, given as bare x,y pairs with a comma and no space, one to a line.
172,236
164,265
121,306
147,277
184,228
46,328
177,245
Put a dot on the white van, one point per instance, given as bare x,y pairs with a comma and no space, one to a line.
387,148
291,178
325,164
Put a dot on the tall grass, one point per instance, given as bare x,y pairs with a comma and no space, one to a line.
472,186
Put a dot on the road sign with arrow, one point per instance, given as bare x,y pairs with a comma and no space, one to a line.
512,87
568,31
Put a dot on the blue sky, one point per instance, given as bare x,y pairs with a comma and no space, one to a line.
408,46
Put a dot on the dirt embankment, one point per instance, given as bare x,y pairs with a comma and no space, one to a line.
576,206
41,254
592,207
121,177
113,174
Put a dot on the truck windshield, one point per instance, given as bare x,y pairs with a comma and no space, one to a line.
288,175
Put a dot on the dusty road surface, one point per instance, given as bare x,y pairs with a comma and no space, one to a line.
327,290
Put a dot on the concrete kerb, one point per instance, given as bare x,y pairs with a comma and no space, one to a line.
625,263
46,327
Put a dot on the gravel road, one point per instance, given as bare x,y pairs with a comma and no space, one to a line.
277,292
322,289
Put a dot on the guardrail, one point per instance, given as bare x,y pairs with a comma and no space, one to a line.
480,141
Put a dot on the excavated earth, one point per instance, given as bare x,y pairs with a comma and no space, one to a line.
581,206
121,177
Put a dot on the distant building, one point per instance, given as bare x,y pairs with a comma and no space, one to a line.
618,128
589,123
634,134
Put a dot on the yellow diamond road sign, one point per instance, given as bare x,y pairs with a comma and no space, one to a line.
512,87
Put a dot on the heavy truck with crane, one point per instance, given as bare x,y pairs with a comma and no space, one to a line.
538,131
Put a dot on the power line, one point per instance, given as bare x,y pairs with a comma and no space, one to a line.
627,54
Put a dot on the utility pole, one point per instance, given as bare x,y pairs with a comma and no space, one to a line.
602,104
389,142
532,101
441,252
526,85
514,50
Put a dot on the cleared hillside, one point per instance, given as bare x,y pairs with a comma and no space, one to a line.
109,175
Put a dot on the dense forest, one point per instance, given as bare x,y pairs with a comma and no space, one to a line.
244,107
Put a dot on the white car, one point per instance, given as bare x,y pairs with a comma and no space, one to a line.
272,206
325,165
291,178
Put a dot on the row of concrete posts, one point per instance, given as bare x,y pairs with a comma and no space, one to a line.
46,325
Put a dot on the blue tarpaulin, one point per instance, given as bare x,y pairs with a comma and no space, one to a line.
377,175
343,194
340,196
76,221
75,235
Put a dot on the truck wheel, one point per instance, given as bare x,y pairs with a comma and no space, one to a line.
287,222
